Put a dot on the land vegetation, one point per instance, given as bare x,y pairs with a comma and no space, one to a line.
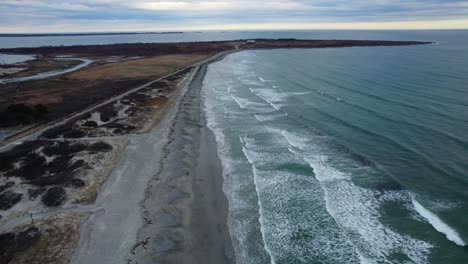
42,101
15,114
43,180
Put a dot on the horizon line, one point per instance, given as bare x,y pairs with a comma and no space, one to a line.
214,30
451,24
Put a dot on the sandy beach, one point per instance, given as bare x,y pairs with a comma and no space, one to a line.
189,224
173,210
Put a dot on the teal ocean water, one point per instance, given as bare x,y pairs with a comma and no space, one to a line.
348,155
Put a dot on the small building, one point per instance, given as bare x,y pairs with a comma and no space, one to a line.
250,41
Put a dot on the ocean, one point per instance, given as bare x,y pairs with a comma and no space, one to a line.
345,155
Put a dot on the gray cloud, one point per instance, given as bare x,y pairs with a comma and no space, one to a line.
107,14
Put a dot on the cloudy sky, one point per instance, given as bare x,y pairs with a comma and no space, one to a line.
33,16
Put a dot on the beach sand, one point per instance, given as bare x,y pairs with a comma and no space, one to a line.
163,202
186,209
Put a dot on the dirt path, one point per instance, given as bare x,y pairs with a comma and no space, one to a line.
44,75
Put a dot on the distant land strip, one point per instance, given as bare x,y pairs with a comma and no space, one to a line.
153,49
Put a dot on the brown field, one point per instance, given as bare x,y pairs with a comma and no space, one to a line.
141,68
69,93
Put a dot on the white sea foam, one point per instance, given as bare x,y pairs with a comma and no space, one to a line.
356,209
249,82
293,204
299,93
363,259
242,222
260,207
438,224
270,96
248,104
269,117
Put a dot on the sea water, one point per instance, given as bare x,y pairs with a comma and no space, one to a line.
345,155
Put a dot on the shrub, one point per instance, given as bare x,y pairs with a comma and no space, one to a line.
41,109
8,199
13,242
100,147
54,197
17,114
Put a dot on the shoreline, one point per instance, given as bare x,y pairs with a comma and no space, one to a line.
210,164
188,219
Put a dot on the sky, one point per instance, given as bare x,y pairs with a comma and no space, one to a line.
40,16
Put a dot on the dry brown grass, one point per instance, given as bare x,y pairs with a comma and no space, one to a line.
59,237
141,68
72,92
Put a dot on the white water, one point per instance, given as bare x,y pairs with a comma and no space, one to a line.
260,207
356,209
291,203
311,205
243,216
438,224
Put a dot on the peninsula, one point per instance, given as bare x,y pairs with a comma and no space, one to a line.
112,161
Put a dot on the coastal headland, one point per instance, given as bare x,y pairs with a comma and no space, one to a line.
113,162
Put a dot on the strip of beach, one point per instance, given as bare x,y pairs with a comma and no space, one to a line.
129,174
182,217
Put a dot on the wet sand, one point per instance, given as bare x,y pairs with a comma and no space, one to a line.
205,208
185,209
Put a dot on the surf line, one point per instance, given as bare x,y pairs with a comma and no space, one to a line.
438,224
260,207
